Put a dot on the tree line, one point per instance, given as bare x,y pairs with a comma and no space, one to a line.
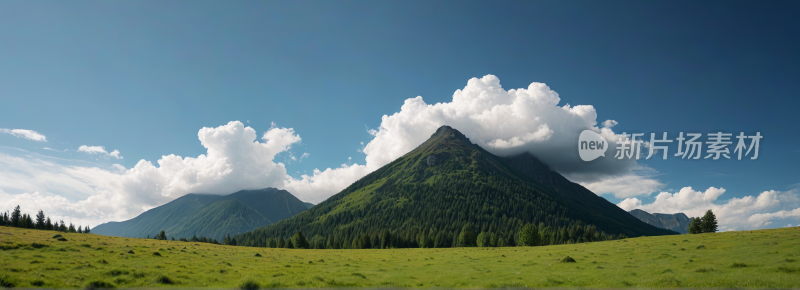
17,219
528,235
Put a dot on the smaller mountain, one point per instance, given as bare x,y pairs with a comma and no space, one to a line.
308,204
678,222
207,215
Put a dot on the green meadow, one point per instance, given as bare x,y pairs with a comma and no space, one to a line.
761,258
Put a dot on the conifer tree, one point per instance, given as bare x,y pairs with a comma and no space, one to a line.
467,237
483,239
16,216
40,220
529,236
80,229
709,223
87,230
299,241
694,226
48,224
29,222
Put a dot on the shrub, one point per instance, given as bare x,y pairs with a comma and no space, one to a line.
157,254
705,270
787,269
130,252
701,247
57,236
116,272
164,280
567,259
359,275
738,265
37,283
62,239
257,255
99,285
86,245
38,245
249,285
7,281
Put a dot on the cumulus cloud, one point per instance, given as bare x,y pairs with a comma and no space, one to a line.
24,133
748,212
504,123
99,150
235,160
626,186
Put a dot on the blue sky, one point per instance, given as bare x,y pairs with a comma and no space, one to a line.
143,77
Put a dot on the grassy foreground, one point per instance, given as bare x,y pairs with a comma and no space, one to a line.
762,258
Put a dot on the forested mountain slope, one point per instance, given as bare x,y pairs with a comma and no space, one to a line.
446,185
211,216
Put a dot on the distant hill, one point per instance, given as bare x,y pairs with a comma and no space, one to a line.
678,222
211,216
426,198
308,204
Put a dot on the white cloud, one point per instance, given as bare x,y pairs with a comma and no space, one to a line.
609,123
734,214
234,160
625,186
100,150
24,133
504,123
51,149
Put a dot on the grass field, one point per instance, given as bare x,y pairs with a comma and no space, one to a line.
762,258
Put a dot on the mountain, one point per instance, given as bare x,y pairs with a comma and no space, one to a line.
308,204
427,196
678,222
579,198
211,216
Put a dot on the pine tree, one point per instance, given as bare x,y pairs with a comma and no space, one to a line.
16,216
299,241
289,244
62,227
29,222
709,223
161,236
48,224
529,236
227,239
71,228
467,237
483,239
694,226
87,230
281,243
40,220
